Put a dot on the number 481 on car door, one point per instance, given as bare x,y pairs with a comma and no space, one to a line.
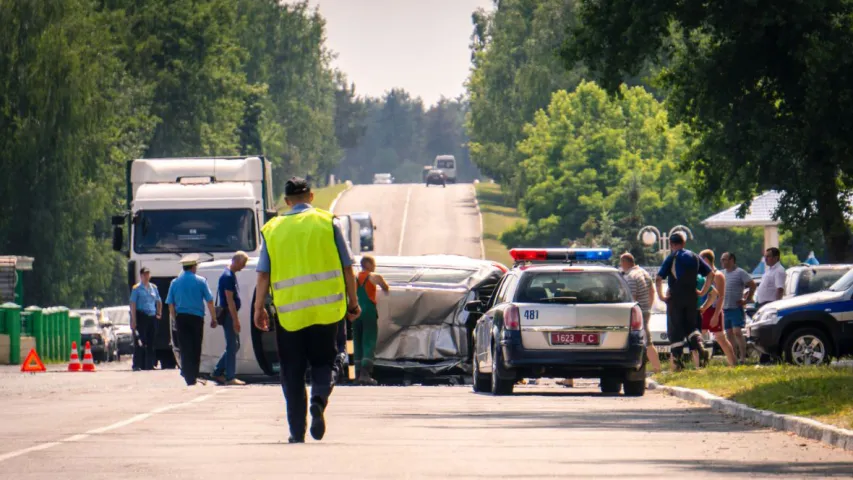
531,314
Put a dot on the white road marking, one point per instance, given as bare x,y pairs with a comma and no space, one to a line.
405,218
123,423
482,229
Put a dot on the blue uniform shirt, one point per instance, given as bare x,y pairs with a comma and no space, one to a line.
681,268
188,293
145,298
228,282
344,251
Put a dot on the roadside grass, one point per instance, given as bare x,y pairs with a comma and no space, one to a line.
823,393
498,216
323,197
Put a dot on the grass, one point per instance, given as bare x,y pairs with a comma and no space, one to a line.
822,393
499,214
323,197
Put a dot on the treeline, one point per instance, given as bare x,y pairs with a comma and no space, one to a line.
399,136
86,85
588,166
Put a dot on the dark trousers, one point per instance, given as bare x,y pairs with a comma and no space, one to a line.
314,346
681,325
190,330
144,356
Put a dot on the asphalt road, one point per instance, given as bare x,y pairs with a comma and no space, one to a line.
115,423
415,219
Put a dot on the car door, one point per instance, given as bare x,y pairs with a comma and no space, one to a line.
493,319
484,327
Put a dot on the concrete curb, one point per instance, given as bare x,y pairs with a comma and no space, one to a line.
335,201
482,230
804,427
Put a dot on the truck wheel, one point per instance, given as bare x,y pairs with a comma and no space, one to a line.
807,346
499,385
611,385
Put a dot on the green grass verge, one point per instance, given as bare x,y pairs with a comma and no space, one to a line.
499,214
323,197
822,393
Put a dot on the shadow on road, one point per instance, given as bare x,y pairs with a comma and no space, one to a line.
729,467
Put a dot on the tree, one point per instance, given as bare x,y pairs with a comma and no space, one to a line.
763,88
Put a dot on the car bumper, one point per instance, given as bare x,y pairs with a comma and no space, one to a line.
765,338
517,357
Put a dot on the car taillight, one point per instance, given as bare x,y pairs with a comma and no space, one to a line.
636,318
511,317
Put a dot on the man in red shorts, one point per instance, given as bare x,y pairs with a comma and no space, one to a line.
712,315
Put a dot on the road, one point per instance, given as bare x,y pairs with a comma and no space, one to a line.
115,423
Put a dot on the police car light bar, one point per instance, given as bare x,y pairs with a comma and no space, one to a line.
560,254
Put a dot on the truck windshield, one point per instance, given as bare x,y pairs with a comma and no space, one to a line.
183,231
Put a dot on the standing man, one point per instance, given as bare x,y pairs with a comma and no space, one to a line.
680,269
643,292
712,314
145,309
772,286
365,327
228,293
734,317
186,299
308,264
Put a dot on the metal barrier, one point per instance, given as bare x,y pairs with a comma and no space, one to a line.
52,329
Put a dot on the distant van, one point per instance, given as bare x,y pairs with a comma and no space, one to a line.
447,164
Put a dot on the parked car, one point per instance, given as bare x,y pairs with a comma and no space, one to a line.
560,320
96,330
436,177
807,329
383,179
119,317
366,228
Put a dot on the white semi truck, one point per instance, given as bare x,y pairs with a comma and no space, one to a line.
210,206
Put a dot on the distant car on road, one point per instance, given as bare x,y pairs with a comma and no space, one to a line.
366,228
98,332
436,177
447,164
119,317
560,320
383,179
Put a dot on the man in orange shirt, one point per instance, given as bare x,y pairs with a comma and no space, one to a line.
365,327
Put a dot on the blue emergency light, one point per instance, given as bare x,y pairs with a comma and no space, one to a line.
560,254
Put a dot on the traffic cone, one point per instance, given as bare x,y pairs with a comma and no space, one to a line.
74,363
88,361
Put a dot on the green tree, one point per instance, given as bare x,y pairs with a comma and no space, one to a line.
762,87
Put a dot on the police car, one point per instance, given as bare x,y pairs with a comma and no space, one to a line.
808,329
555,314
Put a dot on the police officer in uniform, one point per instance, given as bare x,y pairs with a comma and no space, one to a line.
307,265
186,299
145,311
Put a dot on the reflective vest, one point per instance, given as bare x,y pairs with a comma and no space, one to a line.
306,275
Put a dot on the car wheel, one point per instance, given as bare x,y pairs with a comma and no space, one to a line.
807,346
611,385
636,386
482,383
499,385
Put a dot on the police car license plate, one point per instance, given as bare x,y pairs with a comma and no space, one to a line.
575,338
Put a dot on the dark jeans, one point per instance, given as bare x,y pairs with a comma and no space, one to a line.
146,327
190,331
314,346
681,324
227,364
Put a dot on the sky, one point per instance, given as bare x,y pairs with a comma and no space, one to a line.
418,45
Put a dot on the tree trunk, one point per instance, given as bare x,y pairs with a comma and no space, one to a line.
836,232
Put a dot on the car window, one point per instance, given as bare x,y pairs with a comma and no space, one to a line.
444,164
445,275
508,292
500,291
118,317
89,322
817,280
572,287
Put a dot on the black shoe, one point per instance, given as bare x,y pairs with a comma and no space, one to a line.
318,423
293,439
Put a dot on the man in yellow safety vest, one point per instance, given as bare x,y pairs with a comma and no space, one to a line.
307,264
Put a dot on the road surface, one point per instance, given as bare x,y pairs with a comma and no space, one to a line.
415,219
121,424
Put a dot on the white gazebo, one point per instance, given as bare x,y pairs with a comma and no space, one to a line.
760,214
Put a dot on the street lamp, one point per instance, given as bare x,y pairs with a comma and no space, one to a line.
650,235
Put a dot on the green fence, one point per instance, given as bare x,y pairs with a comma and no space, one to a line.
53,330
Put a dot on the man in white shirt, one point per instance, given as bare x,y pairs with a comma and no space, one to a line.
772,285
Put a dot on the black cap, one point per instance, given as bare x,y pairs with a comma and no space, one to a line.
144,270
677,238
296,186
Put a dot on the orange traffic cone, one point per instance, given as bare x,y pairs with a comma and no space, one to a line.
74,363
88,361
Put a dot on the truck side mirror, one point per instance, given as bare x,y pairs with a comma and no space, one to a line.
118,238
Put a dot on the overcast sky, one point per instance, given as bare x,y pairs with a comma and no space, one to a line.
419,45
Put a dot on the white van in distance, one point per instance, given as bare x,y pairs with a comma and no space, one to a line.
447,164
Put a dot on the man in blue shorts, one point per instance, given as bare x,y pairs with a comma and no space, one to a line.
734,317
681,269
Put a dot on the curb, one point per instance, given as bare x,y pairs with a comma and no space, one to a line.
335,201
482,230
804,427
